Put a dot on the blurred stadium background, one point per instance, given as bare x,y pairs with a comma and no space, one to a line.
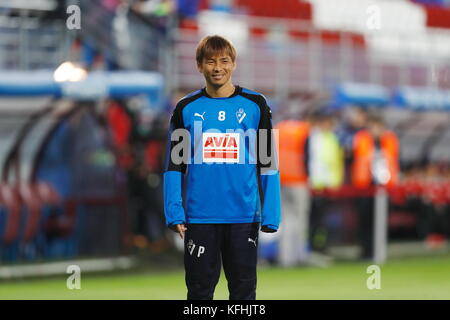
83,121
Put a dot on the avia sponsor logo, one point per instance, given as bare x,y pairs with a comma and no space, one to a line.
221,147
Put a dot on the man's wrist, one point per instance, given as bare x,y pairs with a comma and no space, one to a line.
173,225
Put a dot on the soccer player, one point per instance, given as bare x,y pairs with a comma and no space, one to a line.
221,181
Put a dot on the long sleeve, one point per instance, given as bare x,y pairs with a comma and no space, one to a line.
269,173
174,175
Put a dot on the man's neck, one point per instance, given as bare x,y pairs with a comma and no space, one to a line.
220,92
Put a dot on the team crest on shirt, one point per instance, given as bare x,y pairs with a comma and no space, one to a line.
240,115
221,147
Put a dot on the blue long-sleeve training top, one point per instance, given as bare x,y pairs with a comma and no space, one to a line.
221,164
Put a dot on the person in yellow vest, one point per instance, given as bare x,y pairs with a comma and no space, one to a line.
292,241
375,161
325,166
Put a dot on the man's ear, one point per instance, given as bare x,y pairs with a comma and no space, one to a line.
234,65
199,68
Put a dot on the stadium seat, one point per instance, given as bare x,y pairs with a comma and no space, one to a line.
45,227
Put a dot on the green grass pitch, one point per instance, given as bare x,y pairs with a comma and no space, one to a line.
411,278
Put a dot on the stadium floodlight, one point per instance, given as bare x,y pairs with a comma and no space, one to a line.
69,71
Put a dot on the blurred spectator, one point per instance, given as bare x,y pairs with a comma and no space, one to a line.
98,47
145,183
353,120
126,34
294,225
435,206
325,165
375,159
119,120
412,188
139,142
139,29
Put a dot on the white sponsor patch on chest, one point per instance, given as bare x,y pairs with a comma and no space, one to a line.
221,147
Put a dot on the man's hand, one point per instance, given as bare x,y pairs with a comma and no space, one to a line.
179,228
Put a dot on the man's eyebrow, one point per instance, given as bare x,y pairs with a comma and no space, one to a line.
219,58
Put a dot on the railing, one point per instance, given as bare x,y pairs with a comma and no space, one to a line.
280,57
292,56
31,43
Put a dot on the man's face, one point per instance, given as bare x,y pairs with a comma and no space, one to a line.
376,129
326,124
357,119
217,70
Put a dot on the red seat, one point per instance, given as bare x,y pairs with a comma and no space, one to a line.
32,202
11,201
